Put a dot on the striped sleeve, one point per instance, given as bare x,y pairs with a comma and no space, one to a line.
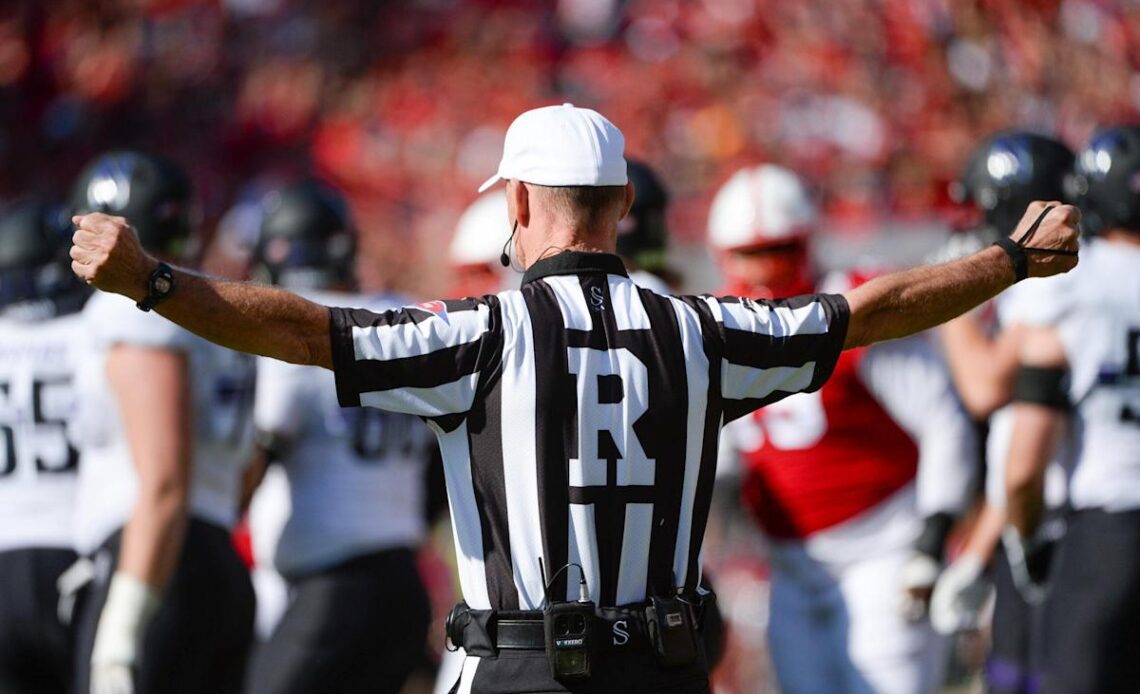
423,360
773,349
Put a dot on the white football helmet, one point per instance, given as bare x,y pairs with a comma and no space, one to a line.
761,206
480,234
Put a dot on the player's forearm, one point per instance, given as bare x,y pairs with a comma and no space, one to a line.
152,538
250,318
1035,433
1025,502
911,301
982,367
986,535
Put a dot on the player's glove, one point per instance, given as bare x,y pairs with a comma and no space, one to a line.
69,584
925,563
1029,561
130,606
918,577
959,595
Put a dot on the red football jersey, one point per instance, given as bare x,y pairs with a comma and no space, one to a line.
815,460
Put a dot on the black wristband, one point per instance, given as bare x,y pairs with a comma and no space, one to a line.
1017,256
935,529
159,285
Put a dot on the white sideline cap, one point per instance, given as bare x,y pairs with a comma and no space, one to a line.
562,146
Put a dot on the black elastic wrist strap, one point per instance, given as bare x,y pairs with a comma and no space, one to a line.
1018,252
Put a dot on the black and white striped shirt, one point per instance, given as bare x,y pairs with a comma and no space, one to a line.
578,417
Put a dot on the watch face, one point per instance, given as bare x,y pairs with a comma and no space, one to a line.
162,284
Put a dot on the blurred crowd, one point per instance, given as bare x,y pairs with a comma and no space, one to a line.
403,104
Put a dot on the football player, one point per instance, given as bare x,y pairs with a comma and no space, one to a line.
166,435
358,613
41,339
856,485
1003,174
1080,372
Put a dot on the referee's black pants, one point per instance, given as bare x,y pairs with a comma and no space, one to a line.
1092,613
35,647
356,628
200,637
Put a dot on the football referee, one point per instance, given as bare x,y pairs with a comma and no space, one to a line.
578,416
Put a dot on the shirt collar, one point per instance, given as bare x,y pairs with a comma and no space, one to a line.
574,263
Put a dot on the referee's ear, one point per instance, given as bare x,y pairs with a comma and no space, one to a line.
630,193
518,197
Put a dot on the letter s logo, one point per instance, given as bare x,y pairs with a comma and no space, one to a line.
621,635
597,299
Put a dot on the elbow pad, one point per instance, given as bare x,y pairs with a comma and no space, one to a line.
1048,387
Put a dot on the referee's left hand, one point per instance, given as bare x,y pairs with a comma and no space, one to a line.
106,254
1054,242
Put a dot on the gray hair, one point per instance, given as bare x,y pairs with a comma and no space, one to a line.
585,205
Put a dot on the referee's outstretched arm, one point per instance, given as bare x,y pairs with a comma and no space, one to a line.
274,323
911,301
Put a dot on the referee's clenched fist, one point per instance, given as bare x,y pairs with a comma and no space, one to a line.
106,254
1045,241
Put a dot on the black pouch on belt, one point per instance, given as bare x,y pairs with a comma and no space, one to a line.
671,631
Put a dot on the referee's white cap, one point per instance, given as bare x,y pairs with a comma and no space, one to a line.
562,146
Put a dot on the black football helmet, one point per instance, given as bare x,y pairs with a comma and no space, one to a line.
306,239
154,194
1008,171
35,236
1106,180
642,235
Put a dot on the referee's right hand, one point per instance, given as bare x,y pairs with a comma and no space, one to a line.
1058,231
106,254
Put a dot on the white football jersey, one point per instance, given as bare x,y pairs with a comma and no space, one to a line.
1099,324
38,458
1036,301
355,475
221,387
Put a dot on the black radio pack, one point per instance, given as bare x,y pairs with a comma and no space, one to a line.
569,638
671,631
569,629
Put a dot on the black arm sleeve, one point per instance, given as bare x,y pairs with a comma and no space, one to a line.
1041,386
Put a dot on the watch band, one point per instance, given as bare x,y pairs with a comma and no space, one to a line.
159,285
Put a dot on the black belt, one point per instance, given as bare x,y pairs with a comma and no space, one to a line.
520,634
485,632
